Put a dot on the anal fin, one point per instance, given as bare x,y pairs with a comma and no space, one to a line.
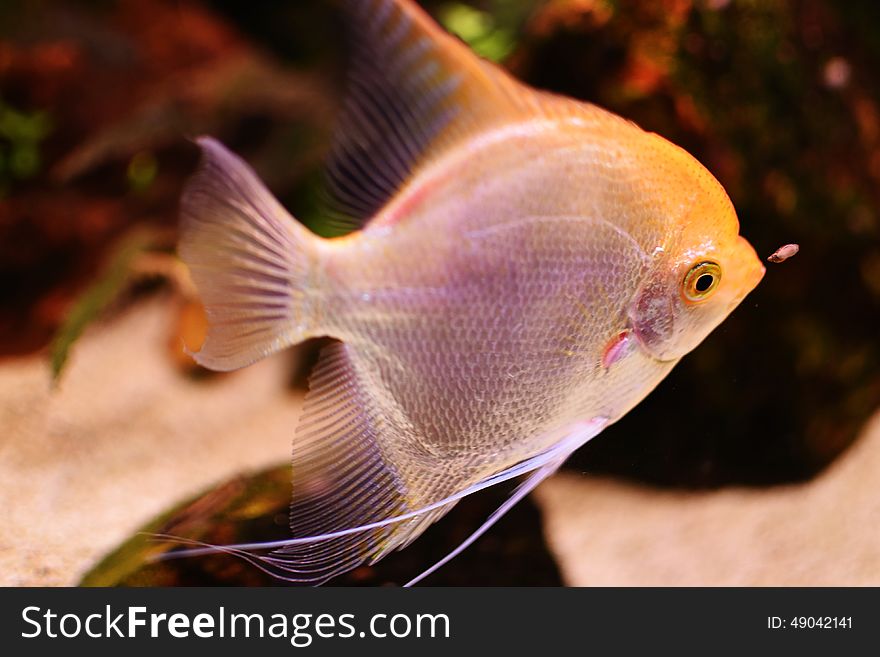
340,543
342,475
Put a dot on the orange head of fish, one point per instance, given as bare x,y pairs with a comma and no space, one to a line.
702,271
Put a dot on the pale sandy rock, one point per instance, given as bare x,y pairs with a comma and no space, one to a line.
124,437
822,533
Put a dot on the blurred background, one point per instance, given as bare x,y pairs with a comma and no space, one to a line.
779,99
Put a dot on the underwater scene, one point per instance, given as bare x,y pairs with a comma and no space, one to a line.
606,272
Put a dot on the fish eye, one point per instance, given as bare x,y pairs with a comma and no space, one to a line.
701,281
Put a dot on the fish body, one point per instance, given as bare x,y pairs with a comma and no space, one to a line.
487,306
527,269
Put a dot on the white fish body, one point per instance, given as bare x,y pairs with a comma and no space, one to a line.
517,286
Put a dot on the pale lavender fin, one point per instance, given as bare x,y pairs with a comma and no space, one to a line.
520,469
342,476
413,90
558,454
348,496
316,558
249,260
522,490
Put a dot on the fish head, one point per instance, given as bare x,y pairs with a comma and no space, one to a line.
701,271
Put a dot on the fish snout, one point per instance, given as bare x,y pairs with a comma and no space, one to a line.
747,271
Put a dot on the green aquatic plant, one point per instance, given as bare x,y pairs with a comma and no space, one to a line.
487,36
142,171
21,136
106,288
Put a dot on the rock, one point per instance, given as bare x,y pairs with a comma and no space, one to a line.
123,438
825,532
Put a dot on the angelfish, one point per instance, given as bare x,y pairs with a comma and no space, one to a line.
525,269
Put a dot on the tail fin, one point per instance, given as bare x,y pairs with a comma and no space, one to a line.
250,260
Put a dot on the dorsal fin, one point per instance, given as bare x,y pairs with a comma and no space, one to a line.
413,92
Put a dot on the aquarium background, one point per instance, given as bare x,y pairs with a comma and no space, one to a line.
780,100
